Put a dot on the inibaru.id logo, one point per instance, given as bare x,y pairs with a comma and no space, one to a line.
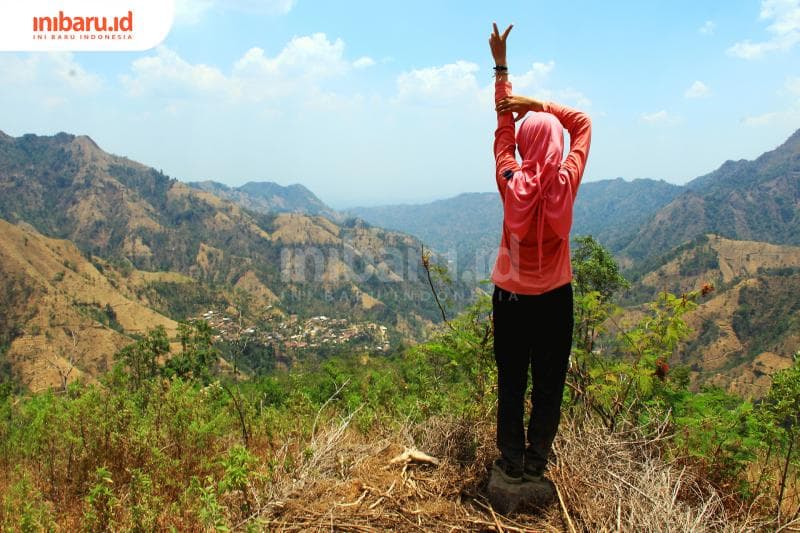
84,25
99,27
62,22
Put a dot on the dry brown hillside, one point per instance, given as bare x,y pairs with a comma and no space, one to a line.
60,311
66,186
748,328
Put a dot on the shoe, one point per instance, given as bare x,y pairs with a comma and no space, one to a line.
533,475
507,472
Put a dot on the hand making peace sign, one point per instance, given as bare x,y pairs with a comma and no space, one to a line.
497,43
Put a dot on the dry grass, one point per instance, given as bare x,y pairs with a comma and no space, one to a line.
620,482
606,482
63,280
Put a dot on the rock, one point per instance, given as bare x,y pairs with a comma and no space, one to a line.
516,497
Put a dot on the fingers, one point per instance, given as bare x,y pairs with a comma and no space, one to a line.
505,33
506,104
496,31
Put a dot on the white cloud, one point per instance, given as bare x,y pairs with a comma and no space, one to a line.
660,117
298,68
363,62
436,84
168,73
533,78
189,12
536,81
763,119
69,71
308,57
573,97
707,28
444,84
59,68
790,115
698,89
784,30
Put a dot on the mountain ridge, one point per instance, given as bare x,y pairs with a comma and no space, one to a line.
271,197
747,199
606,209
112,207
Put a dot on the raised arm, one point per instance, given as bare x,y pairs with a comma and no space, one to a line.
504,141
579,126
577,123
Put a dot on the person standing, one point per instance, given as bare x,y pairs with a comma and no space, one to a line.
532,306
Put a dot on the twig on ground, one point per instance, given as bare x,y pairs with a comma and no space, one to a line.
564,509
412,455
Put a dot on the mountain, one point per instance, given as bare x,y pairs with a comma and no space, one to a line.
109,206
270,197
467,227
749,200
58,311
612,210
749,325
638,220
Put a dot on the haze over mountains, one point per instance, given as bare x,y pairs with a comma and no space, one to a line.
467,226
639,219
270,197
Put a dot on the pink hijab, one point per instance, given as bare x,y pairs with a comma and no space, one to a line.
538,193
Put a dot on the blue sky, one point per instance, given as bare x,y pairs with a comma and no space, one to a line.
370,102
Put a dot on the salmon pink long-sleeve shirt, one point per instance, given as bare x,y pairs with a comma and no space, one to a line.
521,266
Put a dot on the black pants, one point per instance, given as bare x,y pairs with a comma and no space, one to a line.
536,332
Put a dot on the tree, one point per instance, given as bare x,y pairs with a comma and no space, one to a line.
594,269
141,357
198,355
596,279
782,406
242,301
70,356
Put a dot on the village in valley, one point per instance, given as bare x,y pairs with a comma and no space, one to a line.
290,333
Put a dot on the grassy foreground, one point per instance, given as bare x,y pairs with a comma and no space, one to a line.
166,441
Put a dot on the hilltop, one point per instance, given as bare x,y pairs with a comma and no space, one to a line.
173,251
271,197
749,200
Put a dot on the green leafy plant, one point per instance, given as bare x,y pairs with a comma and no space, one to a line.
144,505
782,409
101,502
